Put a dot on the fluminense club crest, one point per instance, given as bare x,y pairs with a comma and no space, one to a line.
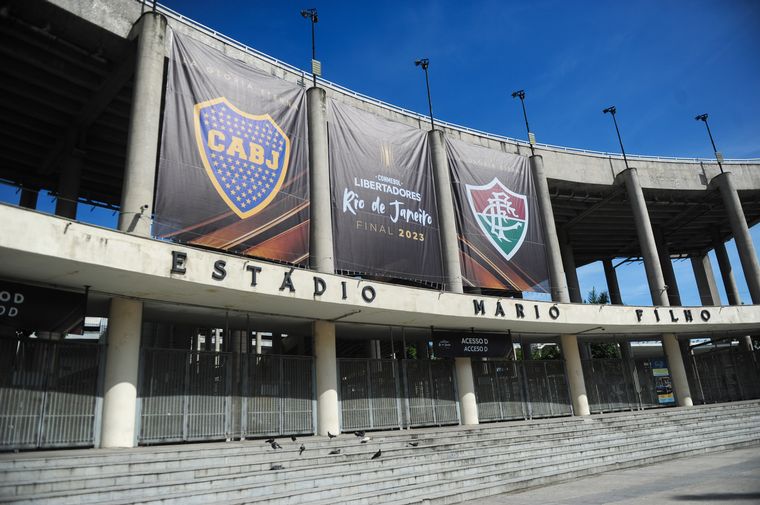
501,214
245,156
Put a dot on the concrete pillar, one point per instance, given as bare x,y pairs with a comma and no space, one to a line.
655,279
703,273
28,198
554,257
674,296
677,370
321,256
726,272
646,237
68,186
452,270
466,388
574,370
217,340
120,383
328,414
613,288
742,237
568,264
142,137
374,349
569,343
258,342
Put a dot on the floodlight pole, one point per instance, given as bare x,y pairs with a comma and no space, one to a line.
613,110
521,94
312,15
703,117
424,63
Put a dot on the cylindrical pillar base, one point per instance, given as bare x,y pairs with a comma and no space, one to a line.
574,370
122,362
328,414
468,406
677,370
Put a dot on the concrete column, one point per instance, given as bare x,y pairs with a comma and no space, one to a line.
742,237
568,264
674,296
68,186
613,288
328,414
466,389
452,270
320,227
142,137
28,198
258,342
569,343
217,340
574,370
655,279
646,237
554,257
703,273
120,383
677,370
726,272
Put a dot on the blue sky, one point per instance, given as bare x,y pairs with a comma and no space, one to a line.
660,62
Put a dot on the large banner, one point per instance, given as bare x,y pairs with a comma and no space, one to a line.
500,231
385,220
233,167
30,308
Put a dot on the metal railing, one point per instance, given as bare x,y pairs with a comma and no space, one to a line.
48,394
609,385
725,376
369,394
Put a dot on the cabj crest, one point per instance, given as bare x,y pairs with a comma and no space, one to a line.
501,214
245,156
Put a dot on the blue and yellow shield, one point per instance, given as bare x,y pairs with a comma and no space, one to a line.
245,156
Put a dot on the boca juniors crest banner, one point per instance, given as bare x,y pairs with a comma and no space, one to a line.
385,220
233,166
500,232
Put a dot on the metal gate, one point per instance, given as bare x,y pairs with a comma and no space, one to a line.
279,395
609,385
48,394
369,394
546,388
498,390
195,395
725,376
430,393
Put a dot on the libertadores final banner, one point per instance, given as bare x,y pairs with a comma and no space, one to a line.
501,235
385,221
233,164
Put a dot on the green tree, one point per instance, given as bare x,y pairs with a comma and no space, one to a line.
600,298
605,350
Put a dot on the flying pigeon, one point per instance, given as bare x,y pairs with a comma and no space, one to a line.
377,454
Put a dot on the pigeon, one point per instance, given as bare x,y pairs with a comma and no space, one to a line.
335,451
359,434
275,445
330,435
269,440
301,449
365,440
413,444
377,454
293,438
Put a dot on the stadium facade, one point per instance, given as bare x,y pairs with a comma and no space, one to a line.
270,275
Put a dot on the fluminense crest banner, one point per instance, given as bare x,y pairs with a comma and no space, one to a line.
385,221
233,171
500,232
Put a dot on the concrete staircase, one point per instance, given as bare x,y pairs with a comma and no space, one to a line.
448,465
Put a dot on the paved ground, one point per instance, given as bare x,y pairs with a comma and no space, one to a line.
718,478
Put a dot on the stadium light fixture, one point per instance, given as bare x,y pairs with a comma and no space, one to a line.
316,65
531,137
612,110
425,63
718,155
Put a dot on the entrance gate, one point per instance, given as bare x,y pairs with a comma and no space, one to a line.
377,393
609,385
48,394
198,395
726,375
